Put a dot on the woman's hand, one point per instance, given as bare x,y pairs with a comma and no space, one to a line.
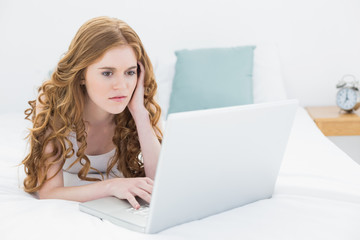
129,188
136,104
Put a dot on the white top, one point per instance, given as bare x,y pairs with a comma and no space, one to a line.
98,162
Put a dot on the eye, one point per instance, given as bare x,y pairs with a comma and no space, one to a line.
107,74
131,73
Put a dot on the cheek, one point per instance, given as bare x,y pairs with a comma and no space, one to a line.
95,88
132,85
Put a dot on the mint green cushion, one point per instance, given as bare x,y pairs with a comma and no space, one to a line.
212,78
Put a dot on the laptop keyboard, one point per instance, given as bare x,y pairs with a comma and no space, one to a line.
142,211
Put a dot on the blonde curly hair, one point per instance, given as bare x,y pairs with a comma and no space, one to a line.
62,103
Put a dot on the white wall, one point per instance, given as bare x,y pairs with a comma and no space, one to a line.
318,40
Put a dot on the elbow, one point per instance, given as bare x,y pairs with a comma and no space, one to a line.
43,195
47,194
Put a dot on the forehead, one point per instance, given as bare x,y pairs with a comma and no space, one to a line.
117,57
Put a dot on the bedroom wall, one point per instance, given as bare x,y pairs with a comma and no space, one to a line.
318,40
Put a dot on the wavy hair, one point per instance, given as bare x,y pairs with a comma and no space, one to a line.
62,100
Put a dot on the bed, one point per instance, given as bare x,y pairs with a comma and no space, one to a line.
317,194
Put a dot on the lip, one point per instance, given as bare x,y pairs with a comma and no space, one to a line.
118,98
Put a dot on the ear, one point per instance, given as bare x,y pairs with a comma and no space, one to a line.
82,82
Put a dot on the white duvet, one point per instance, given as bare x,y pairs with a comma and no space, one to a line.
317,196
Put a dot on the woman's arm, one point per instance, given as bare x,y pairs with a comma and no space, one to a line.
149,143
123,188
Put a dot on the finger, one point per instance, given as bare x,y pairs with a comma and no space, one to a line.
149,181
141,66
145,186
142,71
142,194
132,200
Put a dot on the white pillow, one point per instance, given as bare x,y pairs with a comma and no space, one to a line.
164,69
268,83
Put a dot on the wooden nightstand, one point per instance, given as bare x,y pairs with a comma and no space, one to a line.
341,128
334,122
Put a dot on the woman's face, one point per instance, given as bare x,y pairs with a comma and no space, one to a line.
110,81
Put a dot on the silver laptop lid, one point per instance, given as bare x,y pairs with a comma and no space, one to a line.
218,159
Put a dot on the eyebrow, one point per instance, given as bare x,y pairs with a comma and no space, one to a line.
112,68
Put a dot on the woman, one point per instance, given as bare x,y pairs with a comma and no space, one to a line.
98,109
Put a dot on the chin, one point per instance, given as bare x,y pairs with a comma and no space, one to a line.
116,110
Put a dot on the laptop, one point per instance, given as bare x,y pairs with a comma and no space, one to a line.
211,161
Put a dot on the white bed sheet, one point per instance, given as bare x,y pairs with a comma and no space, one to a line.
317,196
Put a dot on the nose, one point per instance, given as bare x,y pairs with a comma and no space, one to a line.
119,83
